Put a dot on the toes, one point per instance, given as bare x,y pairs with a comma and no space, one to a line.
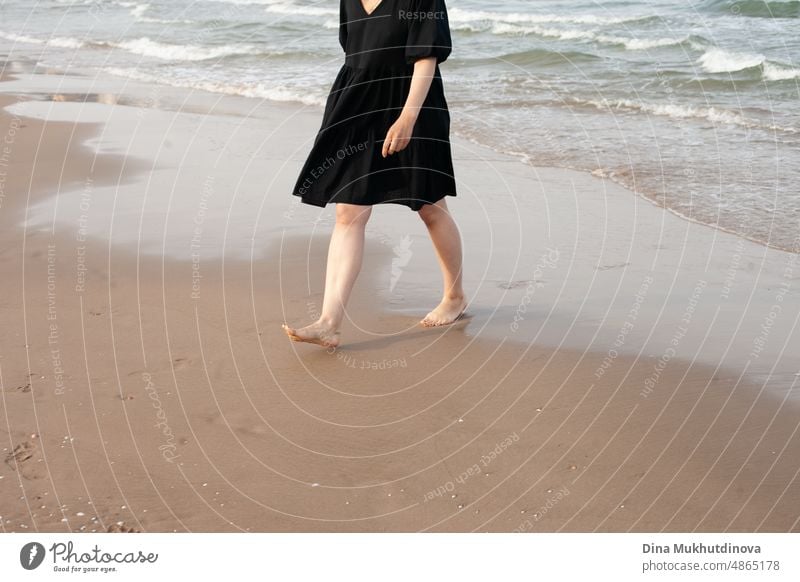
430,321
312,335
292,333
436,321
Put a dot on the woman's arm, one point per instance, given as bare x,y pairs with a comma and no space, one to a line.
399,135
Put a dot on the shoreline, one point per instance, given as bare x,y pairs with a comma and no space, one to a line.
294,105
177,412
525,159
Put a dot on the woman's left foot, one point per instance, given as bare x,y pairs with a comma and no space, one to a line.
316,333
448,311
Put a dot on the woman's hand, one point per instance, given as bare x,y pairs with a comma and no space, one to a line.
399,135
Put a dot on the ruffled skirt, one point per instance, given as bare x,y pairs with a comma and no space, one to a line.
345,163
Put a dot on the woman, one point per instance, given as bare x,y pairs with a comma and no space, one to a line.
384,139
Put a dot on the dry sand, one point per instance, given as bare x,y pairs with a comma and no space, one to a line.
620,369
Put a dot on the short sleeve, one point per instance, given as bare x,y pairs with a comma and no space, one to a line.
343,24
428,31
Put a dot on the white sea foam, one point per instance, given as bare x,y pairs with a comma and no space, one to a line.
187,52
286,8
776,72
65,42
633,44
469,27
255,90
21,38
561,34
251,2
137,10
150,48
56,41
152,20
458,15
639,44
679,111
717,60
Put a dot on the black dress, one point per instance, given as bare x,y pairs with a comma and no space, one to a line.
345,163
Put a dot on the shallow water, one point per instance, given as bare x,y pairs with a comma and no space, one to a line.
693,104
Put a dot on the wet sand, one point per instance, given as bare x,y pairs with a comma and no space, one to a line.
620,369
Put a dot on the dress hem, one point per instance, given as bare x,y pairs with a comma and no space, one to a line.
412,203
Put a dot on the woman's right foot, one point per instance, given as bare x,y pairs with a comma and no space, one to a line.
317,333
450,310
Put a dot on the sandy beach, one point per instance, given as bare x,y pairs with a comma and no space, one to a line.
620,368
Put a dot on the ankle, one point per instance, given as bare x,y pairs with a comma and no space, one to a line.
454,296
328,323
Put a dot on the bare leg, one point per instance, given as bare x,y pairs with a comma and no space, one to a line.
345,255
447,242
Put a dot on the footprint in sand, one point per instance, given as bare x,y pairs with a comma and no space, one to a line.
513,284
21,453
181,363
238,423
23,460
609,267
25,386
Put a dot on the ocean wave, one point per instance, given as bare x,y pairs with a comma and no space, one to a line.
469,27
681,111
146,47
183,52
717,60
258,90
505,28
756,8
287,8
249,2
151,20
632,44
459,16
779,72
137,8
539,57
56,41
637,44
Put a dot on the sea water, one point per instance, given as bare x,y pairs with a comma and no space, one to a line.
694,104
